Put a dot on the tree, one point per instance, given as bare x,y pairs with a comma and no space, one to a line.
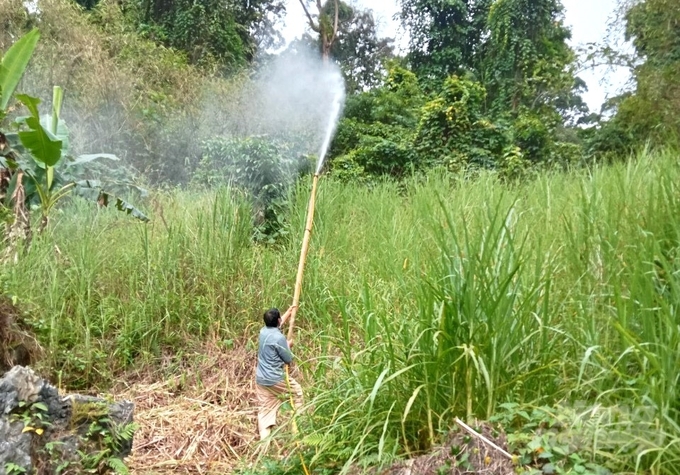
649,114
206,29
327,22
358,50
528,64
259,18
229,32
653,111
446,37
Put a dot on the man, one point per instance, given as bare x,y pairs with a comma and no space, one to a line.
271,386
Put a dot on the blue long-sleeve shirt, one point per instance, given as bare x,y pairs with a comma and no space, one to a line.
273,352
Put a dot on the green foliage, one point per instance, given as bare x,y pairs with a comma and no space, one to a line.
650,113
41,142
445,37
492,323
358,50
259,19
259,165
13,65
454,131
43,156
100,442
528,63
395,128
532,136
14,469
551,440
361,53
373,149
499,75
263,168
225,33
32,415
206,30
376,134
433,298
127,94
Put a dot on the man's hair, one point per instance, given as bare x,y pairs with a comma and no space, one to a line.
271,317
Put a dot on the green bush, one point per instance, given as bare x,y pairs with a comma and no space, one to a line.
532,136
261,167
453,127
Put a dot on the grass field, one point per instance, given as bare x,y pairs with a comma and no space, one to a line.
422,301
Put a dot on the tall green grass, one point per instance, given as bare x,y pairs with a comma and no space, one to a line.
561,290
422,301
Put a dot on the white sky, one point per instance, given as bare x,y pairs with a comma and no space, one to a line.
587,19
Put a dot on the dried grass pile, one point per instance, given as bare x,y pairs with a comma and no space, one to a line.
201,420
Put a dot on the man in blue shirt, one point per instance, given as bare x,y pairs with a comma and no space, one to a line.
271,386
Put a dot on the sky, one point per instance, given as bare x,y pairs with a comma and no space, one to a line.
588,20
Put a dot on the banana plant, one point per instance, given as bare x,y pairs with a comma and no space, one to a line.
46,150
35,164
51,168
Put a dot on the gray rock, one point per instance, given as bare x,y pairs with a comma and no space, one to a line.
15,445
60,427
19,384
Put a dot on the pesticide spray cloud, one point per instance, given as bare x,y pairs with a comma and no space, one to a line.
295,97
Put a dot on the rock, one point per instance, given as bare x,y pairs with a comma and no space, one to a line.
15,445
39,428
19,384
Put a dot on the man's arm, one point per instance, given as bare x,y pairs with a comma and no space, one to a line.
283,350
289,312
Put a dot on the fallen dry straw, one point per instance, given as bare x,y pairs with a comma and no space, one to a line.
200,420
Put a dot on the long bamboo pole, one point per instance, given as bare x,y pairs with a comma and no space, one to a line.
303,255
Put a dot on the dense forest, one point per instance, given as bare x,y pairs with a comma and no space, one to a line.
487,247
483,85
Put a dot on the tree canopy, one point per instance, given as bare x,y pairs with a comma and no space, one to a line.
487,84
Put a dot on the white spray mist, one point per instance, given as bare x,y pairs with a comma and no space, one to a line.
294,97
333,117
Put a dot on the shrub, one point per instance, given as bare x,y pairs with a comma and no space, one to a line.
454,125
532,136
262,168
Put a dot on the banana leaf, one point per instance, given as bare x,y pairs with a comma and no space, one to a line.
92,190
14,64
45,147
